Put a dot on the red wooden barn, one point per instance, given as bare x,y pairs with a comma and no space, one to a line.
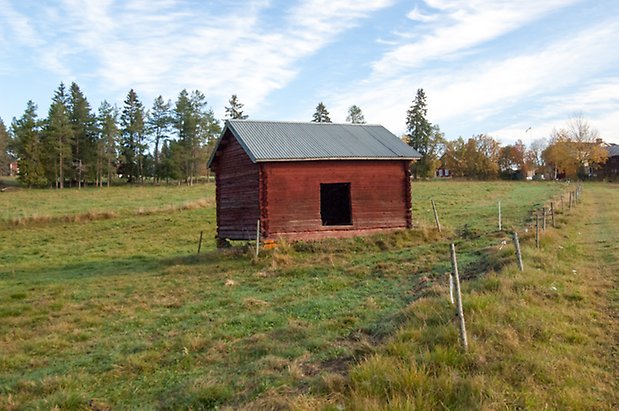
310,180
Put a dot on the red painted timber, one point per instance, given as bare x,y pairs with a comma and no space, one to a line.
237,191
380,197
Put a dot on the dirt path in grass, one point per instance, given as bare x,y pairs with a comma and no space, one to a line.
598,231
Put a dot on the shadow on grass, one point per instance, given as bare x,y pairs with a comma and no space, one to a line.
111,267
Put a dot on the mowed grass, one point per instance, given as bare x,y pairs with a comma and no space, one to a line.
121,313
23,206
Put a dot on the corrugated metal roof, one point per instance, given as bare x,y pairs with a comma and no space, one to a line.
613,150
287,141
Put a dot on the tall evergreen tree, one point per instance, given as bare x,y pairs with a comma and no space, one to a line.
5,158
83,122
235,110
171,159
109,135
321,115
196,125
133,141
58,137
418,127
26,132
419,132
159,123
355,115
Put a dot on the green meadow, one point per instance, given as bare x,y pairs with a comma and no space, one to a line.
104,304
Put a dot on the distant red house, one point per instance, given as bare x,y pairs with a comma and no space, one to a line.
13,168
442,172
310,180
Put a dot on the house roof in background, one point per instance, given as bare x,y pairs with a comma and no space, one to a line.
613,150
266,141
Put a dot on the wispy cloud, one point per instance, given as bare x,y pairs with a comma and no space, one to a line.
449,27
596,100
163,46
17,26
529,84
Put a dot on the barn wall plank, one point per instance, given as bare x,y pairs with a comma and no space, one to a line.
380,195
237,191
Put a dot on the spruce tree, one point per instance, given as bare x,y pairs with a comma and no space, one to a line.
83,123
58,137
321,115
159,123
133,142
234,111
184,123
5,158
109,135
419,132
196,125
418,127
355,115
26,132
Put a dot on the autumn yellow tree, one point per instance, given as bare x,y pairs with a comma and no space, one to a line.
478,157
512,160
575,150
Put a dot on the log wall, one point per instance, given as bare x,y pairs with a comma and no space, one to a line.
237,189
290,197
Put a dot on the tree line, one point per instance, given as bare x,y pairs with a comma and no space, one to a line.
74,145
570,152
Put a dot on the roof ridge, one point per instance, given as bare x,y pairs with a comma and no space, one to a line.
304,122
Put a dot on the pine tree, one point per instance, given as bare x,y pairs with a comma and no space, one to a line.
234,111
355,115
5,140
171,158
159,123
196,125
109,135
83,123
26,132
133,142
321,115
58,137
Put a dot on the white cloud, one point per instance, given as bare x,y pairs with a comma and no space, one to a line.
18,25
417,15
458,25
163,46
466,98
597,101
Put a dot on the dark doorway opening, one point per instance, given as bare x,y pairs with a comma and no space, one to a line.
335,206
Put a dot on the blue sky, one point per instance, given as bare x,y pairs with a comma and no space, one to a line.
487,66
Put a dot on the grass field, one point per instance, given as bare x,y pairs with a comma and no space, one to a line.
104,303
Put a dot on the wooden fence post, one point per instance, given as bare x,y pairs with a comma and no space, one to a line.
438,224
200,242
552,213
543,218
500,222
459,311
451,288
257,237
518,252
537,229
